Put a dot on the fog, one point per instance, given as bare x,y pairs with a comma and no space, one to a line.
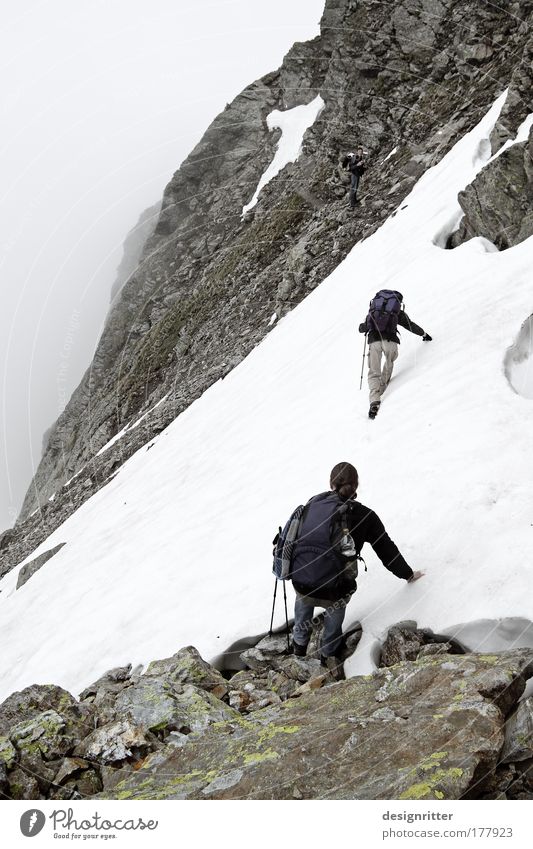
100,102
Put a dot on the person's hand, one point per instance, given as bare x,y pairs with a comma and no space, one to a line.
427,338
362,327
415,576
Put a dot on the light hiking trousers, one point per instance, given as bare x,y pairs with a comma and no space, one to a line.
378,377
333,619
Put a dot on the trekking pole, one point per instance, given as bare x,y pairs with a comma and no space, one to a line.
273,606
286,617
363,365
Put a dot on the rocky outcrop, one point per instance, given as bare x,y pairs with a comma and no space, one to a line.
498,204
34,565
428,729
441,725
209,281
405,641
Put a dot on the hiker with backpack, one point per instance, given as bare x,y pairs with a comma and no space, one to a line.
385,313
325,541
354,163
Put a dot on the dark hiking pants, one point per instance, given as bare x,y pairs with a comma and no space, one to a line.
333,618
353,189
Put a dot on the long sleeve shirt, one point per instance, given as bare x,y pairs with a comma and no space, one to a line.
403,321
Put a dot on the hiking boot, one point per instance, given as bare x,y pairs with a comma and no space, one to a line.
334,666
298,650
373,411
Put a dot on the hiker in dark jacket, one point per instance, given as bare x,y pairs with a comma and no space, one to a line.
384,343
320,577
354,162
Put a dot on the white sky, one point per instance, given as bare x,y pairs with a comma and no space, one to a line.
100,101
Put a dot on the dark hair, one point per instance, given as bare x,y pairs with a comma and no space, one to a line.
344,480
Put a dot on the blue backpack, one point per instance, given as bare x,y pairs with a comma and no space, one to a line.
383,311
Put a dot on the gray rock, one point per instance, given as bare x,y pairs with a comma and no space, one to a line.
116,742
68,768
403,642
434,648
518,745
34,565
499,203
22,785
112,681
155,704
8,753
32,701
188,667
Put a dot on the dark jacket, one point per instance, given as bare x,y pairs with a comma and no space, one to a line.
336,582
403,321
354,164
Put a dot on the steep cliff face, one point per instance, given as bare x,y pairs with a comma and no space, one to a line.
133,246
413,76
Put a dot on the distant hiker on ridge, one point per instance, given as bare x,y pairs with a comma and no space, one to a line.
332,531
354,163
385,313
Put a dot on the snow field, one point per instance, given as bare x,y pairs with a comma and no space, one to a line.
175,550
293,123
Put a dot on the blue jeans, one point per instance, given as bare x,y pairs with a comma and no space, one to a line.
333,619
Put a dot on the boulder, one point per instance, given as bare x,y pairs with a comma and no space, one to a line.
498,204
117,742
112,681
157,705
22,785
267,650
403,642
75,779
46,735
188,667
30,702
518,745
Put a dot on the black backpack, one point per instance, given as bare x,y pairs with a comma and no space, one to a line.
356,165
383,311
324,557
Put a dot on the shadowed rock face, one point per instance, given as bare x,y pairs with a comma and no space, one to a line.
498,204
416,76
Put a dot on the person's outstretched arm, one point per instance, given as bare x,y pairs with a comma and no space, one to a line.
387,550
405,321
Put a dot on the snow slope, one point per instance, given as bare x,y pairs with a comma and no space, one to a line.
293,123
175,550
